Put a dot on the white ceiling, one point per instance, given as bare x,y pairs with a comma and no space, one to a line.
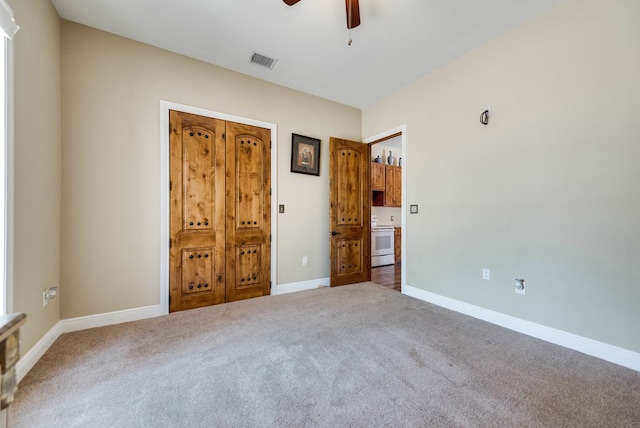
397,42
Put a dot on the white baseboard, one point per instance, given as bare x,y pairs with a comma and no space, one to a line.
613,354
30,359
110,318
300,286
27,361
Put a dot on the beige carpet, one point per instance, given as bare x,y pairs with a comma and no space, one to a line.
360,355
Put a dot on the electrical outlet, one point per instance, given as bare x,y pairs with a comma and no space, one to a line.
305,261
486,274
49,294
392,218
520,286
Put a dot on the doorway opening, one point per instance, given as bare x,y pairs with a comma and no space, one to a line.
388,171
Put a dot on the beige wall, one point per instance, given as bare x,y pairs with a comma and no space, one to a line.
550,190
37,165
112,89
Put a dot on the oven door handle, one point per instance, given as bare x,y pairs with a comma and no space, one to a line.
334,233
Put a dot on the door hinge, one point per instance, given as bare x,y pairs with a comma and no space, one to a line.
169,242
170,185
169,301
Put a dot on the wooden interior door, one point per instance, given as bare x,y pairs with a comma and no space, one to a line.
248,205
349,211
197,195
220,213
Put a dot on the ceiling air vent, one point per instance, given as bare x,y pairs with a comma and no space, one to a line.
263,60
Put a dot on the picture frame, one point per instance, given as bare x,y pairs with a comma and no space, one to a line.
305,155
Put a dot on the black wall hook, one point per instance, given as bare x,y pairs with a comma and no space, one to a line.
484,117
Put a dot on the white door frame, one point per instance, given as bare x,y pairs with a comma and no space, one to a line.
165,106
403,130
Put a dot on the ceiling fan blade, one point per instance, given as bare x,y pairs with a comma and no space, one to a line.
353,13
291,2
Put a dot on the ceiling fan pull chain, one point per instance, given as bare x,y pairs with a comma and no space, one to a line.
353,16
348,21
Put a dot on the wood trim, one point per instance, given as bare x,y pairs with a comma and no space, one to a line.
388,137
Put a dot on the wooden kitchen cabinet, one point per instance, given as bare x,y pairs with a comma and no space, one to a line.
393,186
398,244
377,176
386,185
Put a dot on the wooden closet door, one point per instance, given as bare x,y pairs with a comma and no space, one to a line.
248,209
197,222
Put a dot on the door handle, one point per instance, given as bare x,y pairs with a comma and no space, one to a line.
334,233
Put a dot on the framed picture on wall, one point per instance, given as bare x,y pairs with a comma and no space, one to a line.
305,155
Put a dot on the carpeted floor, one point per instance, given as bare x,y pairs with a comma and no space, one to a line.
360,355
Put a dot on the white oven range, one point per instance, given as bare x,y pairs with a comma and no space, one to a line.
382,245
